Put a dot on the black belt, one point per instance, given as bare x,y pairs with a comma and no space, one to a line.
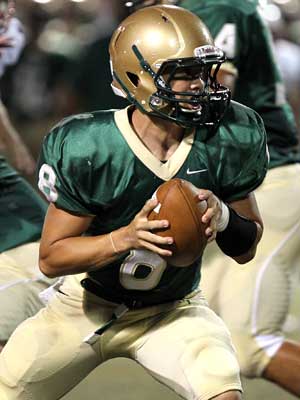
124,302
92,286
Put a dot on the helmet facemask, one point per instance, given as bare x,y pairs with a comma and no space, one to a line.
155,52
189,108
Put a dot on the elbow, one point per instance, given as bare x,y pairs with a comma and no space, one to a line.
250,254
47,270
245,258
49,263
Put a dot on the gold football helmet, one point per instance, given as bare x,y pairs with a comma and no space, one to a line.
153,47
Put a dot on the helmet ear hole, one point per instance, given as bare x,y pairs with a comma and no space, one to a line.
134,79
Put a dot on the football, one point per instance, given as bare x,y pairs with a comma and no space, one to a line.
180,205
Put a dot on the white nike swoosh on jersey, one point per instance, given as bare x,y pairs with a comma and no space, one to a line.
196,171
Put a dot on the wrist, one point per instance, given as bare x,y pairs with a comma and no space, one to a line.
224,219
118,241
115,250
239,236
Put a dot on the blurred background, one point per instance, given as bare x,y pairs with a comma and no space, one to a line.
64,68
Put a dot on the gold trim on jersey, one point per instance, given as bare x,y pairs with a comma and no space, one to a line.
164,170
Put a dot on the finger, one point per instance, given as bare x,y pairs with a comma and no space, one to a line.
204,194
155,249
158,224
207,216
213,224
156,239
211,230
212,236
148,206
144,225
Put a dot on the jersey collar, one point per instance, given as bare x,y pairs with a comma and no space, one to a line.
164,170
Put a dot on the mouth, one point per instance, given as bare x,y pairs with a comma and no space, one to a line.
191,109
191,105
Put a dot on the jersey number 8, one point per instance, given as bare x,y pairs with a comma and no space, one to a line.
47,179
144,259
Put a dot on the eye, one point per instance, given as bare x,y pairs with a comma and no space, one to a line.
195,76
187,76
182,77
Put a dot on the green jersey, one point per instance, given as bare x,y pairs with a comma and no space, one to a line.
22,210
7,173
240,31
94,164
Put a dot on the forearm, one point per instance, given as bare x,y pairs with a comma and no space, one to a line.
75,255
250,254
64,251
10,140
13,145
8,133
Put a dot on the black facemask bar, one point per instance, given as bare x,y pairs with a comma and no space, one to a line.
214,99
209,103
207,106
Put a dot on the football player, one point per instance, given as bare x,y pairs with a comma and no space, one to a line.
257,322
12,41
121,296
22,210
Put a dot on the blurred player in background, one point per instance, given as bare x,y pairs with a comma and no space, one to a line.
12,41
254,302
22,210
99,170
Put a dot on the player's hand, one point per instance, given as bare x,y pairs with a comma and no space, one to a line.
212,214
139,234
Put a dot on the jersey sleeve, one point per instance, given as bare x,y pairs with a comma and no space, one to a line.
256,58
249,166
63,172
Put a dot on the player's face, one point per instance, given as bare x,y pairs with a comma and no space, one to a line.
188,81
